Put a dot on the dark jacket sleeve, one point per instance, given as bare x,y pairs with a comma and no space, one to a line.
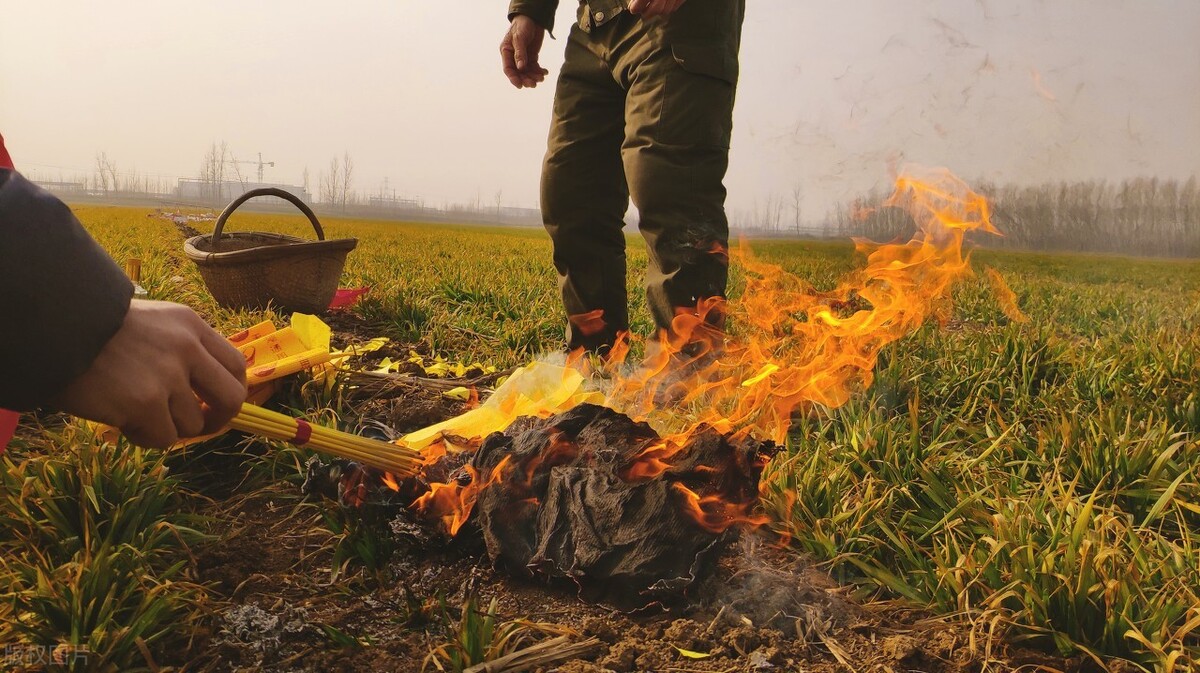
541,11
61,296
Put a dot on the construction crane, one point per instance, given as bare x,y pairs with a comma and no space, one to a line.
260,163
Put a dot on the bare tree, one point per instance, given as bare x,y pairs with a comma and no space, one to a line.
212,171
347,178
772,215
106,173
305,180
499,197
797,198
330,183
237,173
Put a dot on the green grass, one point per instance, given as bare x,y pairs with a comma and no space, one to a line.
1046,473
1042,476
94,539
477,637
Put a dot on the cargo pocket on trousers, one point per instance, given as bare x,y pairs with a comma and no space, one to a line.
698,97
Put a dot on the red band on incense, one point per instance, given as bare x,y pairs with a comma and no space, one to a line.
303,433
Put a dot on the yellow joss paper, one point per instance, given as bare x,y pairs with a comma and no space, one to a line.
286,366
385,366
305,341
251,334
538,389
272,347
354,350
311,331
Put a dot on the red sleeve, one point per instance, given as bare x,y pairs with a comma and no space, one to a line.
5,160
8,427
8,419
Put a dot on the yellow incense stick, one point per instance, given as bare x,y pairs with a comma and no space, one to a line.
382,455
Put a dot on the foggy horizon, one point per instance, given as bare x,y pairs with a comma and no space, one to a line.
831,96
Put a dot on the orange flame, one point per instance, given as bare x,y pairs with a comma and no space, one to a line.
559,450
389,480
453,502
715,514
793,346
1005,296
653,460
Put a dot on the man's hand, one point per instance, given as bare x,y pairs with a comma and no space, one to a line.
519,52
652,8
151,376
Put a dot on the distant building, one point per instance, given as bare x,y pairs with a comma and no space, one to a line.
62,187
191,189
394,203
521,214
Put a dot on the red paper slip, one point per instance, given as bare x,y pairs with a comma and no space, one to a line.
8,426
348,296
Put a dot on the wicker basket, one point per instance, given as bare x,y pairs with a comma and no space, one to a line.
254,269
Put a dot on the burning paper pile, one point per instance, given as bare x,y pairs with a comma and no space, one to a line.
566,490
560,503
593,493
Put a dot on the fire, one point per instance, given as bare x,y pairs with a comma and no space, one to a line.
794,346
452,502
716,515
1005,296
389,480
653,460
560,450
791,346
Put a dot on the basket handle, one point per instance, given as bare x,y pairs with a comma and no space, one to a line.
268,191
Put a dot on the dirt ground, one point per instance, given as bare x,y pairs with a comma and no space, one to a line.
279,607
765,609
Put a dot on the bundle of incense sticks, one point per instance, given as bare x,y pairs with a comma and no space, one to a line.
391,458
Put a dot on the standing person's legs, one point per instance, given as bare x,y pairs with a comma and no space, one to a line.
584,196
679,117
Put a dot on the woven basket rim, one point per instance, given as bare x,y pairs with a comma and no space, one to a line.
285,246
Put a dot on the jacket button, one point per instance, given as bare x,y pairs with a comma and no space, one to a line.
599,16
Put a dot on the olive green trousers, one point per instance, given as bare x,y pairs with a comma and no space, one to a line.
641,114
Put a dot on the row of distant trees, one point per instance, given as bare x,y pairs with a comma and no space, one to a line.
108,178
1140,216
332,187
776,214
337,182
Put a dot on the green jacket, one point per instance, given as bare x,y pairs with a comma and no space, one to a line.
705,34
696,20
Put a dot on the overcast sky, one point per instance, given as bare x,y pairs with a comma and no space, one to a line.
832,93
